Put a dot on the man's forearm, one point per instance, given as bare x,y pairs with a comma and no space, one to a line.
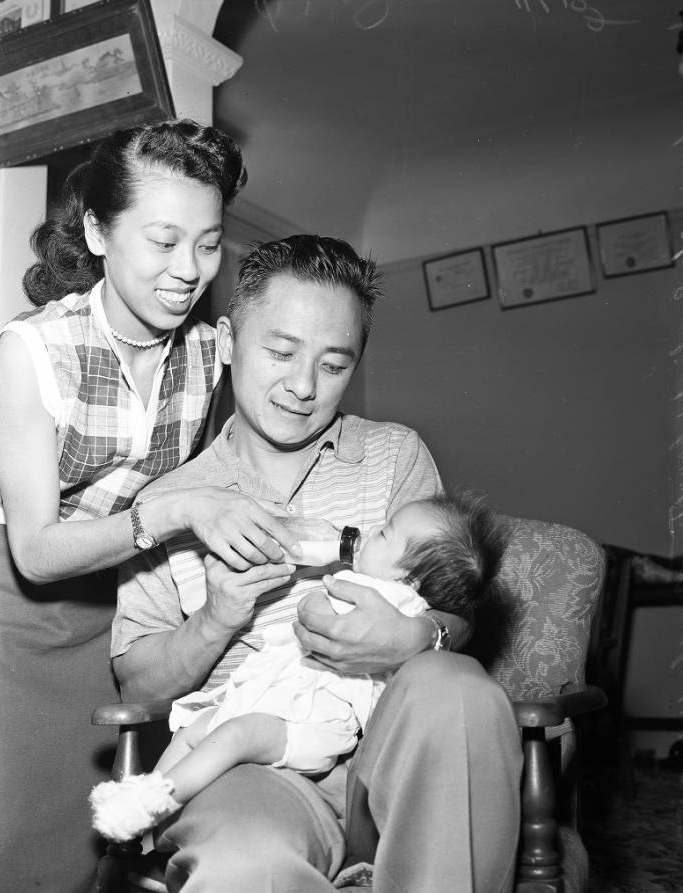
171,664
422,632
459,629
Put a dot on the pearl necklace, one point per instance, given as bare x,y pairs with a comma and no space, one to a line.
142,345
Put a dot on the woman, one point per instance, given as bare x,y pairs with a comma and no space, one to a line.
104,388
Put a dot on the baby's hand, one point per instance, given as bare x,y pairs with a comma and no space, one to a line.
231,595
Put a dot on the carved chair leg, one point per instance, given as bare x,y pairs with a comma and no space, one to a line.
539,869
113,867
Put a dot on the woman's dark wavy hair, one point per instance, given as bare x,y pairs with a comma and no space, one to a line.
457,568
106,185
309,258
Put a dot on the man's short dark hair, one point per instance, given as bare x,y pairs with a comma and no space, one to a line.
457,568
309,258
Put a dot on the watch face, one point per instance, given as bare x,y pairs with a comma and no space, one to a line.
144,541
443,638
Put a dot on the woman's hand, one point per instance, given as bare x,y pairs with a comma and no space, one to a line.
231,596
372,638
233,526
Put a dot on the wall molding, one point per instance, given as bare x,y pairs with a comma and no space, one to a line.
183,42
260,218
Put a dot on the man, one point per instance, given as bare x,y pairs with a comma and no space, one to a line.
434,783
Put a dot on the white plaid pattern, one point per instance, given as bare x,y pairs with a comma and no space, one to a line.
108,445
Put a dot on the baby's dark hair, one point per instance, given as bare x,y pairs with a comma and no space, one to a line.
457,568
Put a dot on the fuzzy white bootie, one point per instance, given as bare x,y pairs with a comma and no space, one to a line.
125,809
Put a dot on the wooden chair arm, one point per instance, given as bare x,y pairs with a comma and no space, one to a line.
552,711
539,857
112,871
129,718
132,714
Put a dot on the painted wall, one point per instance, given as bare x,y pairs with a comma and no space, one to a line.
23,193
584,168
561,411
564,410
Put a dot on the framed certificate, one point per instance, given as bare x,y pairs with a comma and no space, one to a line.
543,268
635,244
456,279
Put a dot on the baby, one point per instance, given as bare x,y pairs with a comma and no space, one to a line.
276,710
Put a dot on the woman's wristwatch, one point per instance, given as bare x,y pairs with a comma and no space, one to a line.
441,637
141,538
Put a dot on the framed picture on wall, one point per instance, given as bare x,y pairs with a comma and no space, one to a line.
543,268
456,279
16,14
77,77
635,244
71,5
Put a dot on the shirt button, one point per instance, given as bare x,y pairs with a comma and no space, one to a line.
291,509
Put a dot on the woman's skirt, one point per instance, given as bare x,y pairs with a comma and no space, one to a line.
54,670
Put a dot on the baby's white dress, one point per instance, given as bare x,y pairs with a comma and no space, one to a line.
323,710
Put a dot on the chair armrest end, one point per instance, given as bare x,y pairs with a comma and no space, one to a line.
132,714
551,711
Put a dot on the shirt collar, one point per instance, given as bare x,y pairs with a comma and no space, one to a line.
343,436
97,309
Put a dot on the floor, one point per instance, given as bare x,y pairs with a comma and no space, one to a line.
635,845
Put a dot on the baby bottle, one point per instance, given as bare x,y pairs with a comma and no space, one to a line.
321,542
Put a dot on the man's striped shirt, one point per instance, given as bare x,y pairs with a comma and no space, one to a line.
361,472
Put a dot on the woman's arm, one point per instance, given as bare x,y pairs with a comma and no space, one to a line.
44,549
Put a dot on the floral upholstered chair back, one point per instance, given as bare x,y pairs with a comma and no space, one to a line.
534,638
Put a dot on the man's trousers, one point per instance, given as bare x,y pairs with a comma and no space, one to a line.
431,797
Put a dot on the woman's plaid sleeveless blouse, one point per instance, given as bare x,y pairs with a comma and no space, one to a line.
108,444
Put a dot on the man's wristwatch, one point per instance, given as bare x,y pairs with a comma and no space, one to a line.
141,538
441,638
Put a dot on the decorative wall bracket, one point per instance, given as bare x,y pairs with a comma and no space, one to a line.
195,61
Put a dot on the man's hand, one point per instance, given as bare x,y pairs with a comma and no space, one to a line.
372,638
231,596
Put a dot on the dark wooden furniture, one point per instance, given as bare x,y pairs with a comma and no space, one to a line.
633,580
